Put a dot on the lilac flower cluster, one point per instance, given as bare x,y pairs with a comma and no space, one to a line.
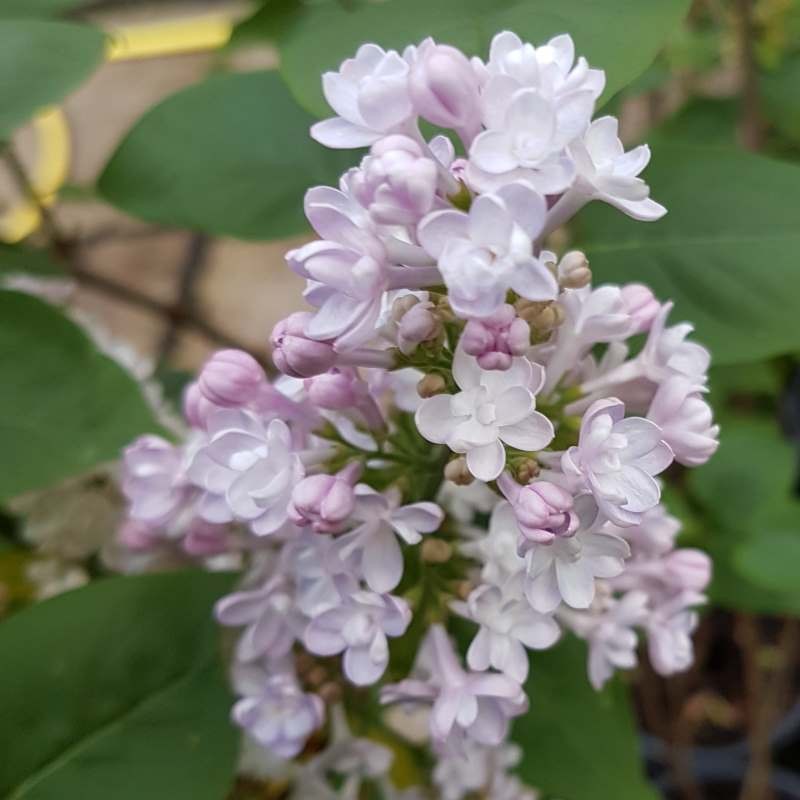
451,366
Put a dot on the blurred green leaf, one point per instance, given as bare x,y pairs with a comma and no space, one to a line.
65,406
114,691
40,63
268,22
751,514
706,122
230,156
781,97
726,252
38,8
579,744
618,36
22,260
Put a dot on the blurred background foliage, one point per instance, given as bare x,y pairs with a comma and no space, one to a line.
154,159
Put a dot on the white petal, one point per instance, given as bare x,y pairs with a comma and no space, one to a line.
532,280
532,433
435,420
486,462
439,227
492,152
382,561
338,133
575,582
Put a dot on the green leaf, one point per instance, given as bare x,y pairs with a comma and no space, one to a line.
707,122
114,691
781,98
65,407
579,744
40,63
230,156
746,493
38,8
619,36
725,252
22,260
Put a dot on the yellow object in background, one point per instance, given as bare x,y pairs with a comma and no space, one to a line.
50,127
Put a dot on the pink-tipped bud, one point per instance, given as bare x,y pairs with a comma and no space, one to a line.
419,324
196,408
231,378
296,354
336,390
642,305
689,568
496,339
325,501
444,89
543,511
205,539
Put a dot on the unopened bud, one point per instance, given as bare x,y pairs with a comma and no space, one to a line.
436,551
527,469
463,589
548,318
402,305
573,271
457,472
431,384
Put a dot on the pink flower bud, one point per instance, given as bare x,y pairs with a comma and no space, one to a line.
335,390
642,305
296,354
196,407
231,378
139,537
496,339
205,539
325,501
543,510
419,324
689,568
444,89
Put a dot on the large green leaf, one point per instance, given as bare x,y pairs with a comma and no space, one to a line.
620,36
64,407
231,156
579,744
38,8
725,252
781,98
752,518
21,260
114,691
41,62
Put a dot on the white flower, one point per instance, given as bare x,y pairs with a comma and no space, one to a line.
507,627
370,95
358,628
473,705
275,711
497,548
488,251
606,172
473,768
686,420
669,633
566,568
375,539
491,408
527,134
616,458
247,470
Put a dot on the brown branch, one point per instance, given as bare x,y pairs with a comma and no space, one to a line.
751,121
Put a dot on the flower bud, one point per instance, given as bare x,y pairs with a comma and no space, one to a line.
335,390
573,271
419,324
689,568
436,551
231,378
444,89
296,354
196,407
457,471
642,305
496,339
431,384
137,536
324,501
205,539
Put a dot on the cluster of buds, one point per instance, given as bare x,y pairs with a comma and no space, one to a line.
451,369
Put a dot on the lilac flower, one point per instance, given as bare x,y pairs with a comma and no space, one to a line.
567,568
396,183
496,339
669,633
685,420
383,520
483,254
275,711
370,95
247,469
492,408
616,458
358,627
154,479
473,705
497,549
271,622
231,379
507,627
325,501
